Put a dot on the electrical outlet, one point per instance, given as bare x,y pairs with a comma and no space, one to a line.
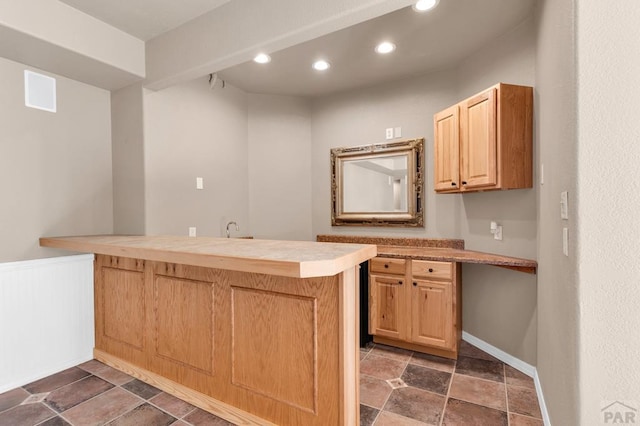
199,183
397,132
192,231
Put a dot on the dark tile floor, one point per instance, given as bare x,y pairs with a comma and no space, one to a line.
404,388
96,394
397,387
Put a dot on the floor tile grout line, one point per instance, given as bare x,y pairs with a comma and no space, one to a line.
446,399
55,414
59,414
504,382
389,396
506,394
60,387
483,379
13,406
165,411
96,396
123,414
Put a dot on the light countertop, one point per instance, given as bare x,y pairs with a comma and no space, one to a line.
301,259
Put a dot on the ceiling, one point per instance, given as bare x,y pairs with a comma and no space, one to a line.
145,19
426,42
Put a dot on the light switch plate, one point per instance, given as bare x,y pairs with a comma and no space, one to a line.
497,235
564,205
397,132
389,133
199,183
192,231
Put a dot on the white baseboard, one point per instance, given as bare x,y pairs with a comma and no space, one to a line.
543,405
516,363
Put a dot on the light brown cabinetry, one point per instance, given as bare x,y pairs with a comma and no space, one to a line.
415,304
485,142
447,149
222,339
387,306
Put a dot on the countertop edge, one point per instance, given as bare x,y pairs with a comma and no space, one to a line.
280,267
465,256
438,252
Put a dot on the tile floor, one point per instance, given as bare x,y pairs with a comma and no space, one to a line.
404,388
397,387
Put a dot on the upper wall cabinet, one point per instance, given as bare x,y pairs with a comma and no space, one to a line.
485,142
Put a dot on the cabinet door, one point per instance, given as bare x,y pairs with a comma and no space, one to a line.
446,149
432,314
478,141
386,307
121,300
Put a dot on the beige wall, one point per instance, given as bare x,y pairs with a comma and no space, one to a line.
280,167
608,204
359,118
558,308
499,305
127,140
191,131
55,167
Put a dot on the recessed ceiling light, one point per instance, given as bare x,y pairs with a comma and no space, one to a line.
385,47
321,65
424,5
262,58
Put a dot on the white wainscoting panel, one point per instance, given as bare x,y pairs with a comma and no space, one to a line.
46,317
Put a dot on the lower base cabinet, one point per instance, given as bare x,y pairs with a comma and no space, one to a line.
259,348
415,304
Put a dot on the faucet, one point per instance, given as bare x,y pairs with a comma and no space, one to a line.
231,223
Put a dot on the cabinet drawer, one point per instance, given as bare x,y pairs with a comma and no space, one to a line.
432,269
387,265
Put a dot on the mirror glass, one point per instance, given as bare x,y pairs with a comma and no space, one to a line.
375,184
378,185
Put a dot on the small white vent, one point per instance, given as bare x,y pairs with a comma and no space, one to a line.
39,91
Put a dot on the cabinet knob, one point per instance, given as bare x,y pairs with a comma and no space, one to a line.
453,184
386,266
415,284
400,282
430,269
464,182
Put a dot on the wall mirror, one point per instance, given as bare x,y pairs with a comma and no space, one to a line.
378,185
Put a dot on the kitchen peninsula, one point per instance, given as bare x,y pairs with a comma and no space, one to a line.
254,331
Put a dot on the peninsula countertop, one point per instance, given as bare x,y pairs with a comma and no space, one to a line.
300,259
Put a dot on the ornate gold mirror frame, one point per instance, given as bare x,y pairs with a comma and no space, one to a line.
378,185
